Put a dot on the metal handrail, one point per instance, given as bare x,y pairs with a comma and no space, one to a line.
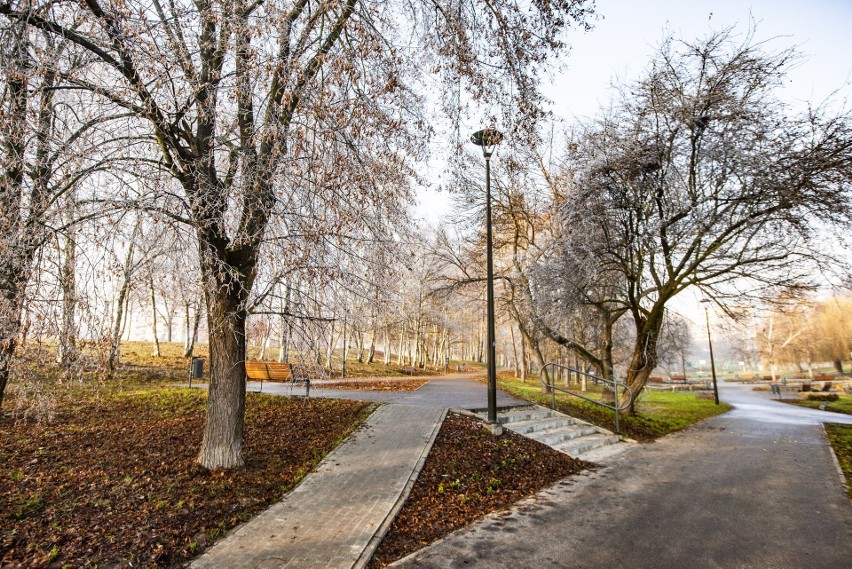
615,385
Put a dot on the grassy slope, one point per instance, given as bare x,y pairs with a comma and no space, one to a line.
842,405
658,412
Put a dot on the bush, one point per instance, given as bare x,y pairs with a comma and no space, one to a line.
823,397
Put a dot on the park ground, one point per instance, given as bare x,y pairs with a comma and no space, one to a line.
136,496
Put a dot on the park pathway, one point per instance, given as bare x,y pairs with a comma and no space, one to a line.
754,488
458,391
336,517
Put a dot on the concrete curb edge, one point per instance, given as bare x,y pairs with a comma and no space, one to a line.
836,462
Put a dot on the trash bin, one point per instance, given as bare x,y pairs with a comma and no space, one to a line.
806,386
196,369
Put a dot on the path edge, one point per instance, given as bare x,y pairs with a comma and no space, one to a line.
837,466
384,527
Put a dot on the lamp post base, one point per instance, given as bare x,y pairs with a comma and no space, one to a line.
495,429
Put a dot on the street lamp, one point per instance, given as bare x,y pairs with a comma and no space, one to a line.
489,138
706,303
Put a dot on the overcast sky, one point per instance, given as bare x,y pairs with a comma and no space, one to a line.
627,32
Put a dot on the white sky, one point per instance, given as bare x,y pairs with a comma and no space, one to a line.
628,31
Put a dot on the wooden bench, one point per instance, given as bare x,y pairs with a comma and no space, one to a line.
273,371
409,370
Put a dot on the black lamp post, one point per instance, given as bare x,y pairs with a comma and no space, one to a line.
489,138
706,303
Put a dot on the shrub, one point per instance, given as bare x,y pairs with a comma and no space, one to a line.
823,397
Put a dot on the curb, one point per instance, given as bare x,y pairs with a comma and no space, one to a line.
836,462
383,528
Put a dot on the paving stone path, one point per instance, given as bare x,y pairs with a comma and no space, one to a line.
337,516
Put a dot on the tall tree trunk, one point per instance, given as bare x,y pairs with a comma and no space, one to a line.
15,260
386,345
329,352
399,356
435,342
156,352
447,350
644,358
123,291
68,332
534,351
127,323
371,352
169,320
540,362
360,343
283,341
524,359
345,348
514,350
187,328
10,324
264,340
221,444
284,337
192,337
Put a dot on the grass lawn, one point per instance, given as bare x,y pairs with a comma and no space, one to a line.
842,405
840,437
658,412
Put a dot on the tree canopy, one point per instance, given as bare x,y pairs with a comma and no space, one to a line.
699,176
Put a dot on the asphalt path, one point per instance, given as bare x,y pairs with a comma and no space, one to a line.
754,488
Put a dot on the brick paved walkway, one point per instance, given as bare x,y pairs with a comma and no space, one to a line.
339,513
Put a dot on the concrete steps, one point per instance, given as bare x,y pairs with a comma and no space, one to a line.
562,432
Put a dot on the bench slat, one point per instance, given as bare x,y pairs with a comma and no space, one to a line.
279,371
256,370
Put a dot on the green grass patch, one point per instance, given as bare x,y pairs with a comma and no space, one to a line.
842,405
840,437
658,413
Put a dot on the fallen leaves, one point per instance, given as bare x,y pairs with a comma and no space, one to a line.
375,385
470,473
114,481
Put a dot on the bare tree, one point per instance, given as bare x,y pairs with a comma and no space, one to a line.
701,177
48,150
226,87
675,342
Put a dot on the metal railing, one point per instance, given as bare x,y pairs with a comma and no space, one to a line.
614,385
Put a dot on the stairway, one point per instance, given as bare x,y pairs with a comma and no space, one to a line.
574,437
